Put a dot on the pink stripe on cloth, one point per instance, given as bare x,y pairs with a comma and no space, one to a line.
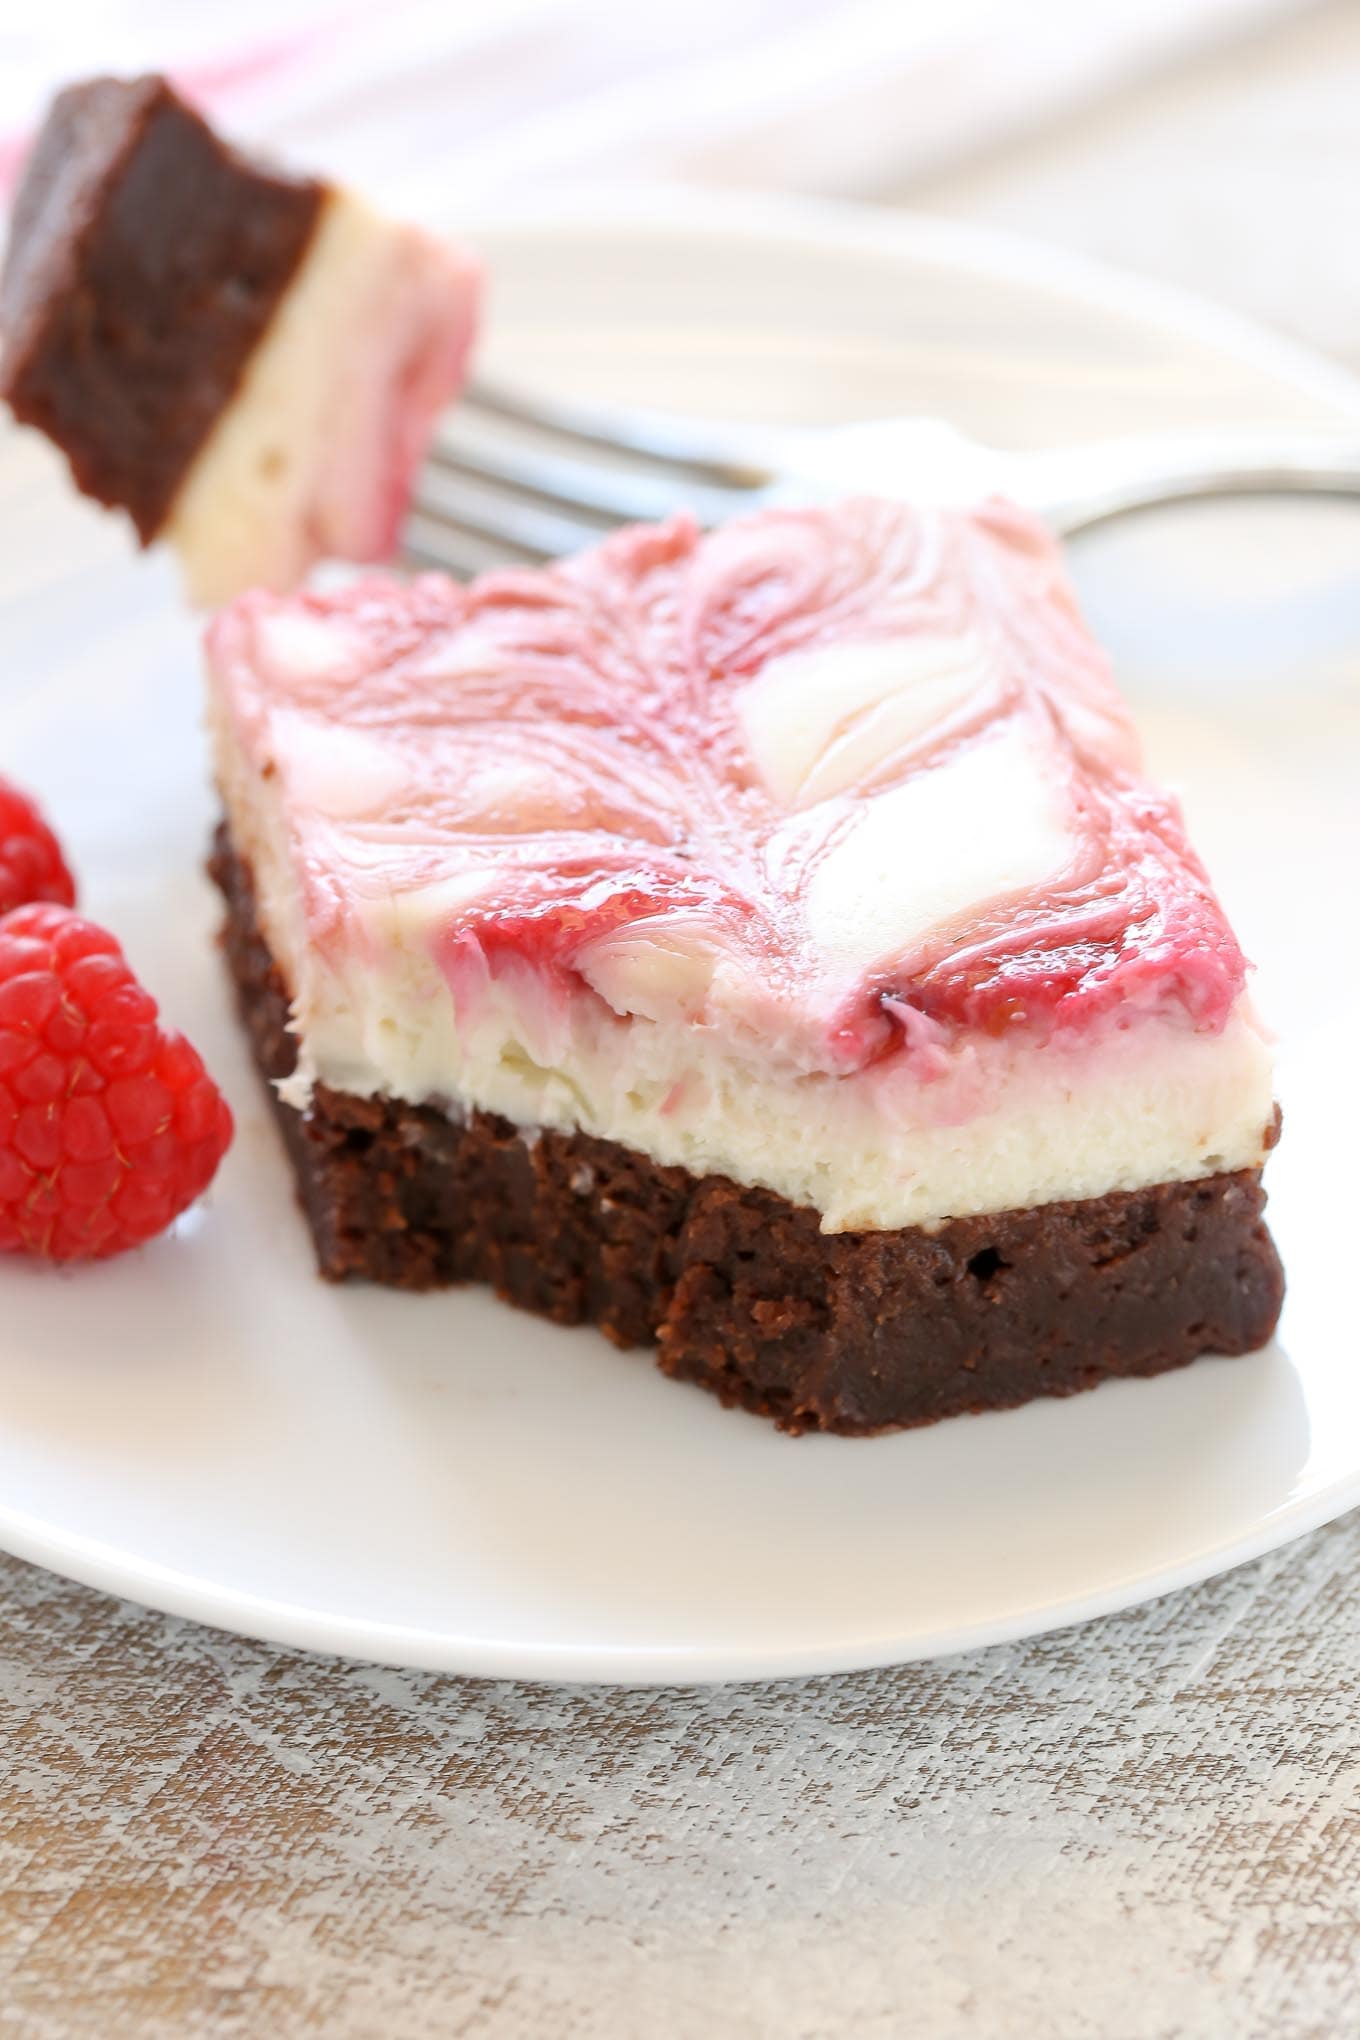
414,101
205,84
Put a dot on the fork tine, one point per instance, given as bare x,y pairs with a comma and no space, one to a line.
651,436
450,551
492,493
594,489
443,529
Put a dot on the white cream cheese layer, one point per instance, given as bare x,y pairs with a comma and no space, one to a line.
314,455
985,1124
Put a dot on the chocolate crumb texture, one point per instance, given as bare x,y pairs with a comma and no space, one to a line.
739,1290
145,261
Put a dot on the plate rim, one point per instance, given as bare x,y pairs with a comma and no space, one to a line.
893,232
288,1625
895,235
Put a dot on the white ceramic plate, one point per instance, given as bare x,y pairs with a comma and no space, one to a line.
439,1481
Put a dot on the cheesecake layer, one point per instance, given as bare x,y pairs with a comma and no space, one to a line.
250,364
814,853
315,456
956,1126
741,1291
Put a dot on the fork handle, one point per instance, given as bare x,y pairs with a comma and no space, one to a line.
1075,487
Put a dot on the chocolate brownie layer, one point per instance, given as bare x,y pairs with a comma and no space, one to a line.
740,1290
145,260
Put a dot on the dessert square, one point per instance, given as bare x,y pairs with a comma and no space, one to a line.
764,944
249,363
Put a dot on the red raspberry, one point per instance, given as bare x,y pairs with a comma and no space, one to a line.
109,1126
31,863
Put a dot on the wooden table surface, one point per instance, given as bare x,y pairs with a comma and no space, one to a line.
1149,1827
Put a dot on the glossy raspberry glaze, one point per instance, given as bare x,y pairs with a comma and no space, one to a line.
569,743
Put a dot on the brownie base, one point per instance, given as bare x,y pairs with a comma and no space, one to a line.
145,261
739,1290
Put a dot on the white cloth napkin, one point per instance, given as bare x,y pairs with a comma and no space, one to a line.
497,97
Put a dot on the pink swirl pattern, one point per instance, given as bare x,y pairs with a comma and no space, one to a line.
570,742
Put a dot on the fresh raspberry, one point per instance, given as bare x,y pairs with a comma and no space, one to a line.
31,864
109,1125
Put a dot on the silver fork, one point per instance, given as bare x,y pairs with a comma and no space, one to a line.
514,477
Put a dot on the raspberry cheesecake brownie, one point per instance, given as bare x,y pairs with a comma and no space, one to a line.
764,945
250,364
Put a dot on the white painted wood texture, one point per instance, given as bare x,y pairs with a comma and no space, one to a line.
1144,1828
1147,1828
